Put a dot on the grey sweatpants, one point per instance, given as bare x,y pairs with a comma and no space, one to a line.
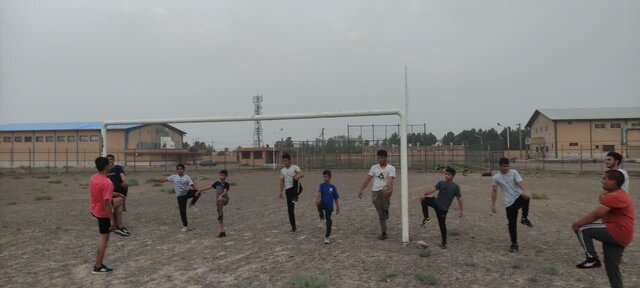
382,204
612,250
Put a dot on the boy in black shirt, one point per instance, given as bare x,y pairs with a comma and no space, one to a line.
120,190
447,189
222,198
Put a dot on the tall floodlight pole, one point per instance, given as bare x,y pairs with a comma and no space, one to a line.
257,110
404,166
520,138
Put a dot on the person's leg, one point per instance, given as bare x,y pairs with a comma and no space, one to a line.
117,210
327,215
377,199
386,203
524,203
512,218
425,207
103,228
182,206
586,234
612,257
442,217
220,206
290,193
192,194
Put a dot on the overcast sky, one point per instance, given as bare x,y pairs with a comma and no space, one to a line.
471,63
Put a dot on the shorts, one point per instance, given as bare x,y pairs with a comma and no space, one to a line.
103,225
225,200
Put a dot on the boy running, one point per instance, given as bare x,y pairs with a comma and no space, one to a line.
327,194
615,232
120,190
515,197
447,189
381,189
100,188
222,197
290,176
185,189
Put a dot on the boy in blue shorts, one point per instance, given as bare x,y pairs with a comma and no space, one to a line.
222,198
327,194
447,190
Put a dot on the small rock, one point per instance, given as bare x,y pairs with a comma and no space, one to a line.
421,244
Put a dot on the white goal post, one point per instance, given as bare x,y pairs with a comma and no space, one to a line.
404,173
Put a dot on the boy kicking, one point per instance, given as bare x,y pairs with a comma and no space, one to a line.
222,198
100,188
616,230
327,194
185,189
447,189
120,190
290,176
383,175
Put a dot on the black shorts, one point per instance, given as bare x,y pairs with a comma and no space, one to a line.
121,190
103,225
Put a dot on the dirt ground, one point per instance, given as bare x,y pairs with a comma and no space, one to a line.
51,243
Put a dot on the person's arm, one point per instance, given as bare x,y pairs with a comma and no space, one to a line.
525,194
389,186
108,208
364,185
224,193
299,174
281,188
428,192
160,180
594,215
494,195
337,207
124,180
318,198
461,207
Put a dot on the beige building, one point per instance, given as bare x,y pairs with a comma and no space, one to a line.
587,133
79,143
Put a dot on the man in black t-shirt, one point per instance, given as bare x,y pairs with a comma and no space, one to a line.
222,198
120,190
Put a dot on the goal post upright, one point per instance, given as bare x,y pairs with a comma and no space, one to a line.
404,173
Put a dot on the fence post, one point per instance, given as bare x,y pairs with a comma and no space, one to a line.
66,152
580,157
48,160
29,160
134,160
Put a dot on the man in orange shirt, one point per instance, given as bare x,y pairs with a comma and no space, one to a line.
616,230
100,188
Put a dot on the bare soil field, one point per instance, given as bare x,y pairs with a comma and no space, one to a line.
48,238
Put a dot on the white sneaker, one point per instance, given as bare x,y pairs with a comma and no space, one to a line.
185,229
326,240
321,223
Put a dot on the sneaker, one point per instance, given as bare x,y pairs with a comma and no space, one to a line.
443,245
425,221
185,229
101,270
321,223
513,248
122,231
383,236
526,222
294,230
222,234
385,214
590,263
326,240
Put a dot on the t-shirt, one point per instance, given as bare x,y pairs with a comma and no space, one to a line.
220,186
381,176
446,192
287,174
619,220
625,185
328,193
114,175
180,183
508,182
100,189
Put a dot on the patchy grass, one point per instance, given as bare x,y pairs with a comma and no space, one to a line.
157,184
533,279
515,266
55,181
427,279
426,252
43,177
306,280
453,232
43,197
233,184
470,264
132,182
549,270
387,276
12,203
18,177
539,196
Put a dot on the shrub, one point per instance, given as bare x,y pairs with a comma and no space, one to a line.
55,181
386,276
426,252
539,196
132,182
306,280
43,197
428,279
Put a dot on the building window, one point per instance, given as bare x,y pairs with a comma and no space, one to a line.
615,125
599,125
28,139
84,138
49,138
6,139
257,155
17,139
573,144
71,139
635,124
546,128
60,139
39,139
246,155
94,138
608,148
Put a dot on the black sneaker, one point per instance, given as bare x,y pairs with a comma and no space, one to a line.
425,221
383,236
526,222
294,230
385,214
513,248
122,231
443,245
101,270
590,263
222,234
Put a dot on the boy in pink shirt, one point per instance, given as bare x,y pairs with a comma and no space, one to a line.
100,188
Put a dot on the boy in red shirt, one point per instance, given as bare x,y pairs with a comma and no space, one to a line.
100,188
616,230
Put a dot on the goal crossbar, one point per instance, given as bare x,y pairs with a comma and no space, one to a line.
404,173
